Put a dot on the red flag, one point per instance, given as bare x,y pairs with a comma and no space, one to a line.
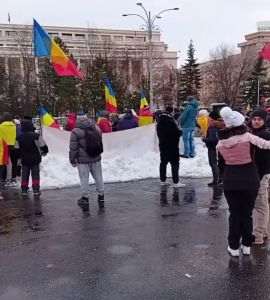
265,52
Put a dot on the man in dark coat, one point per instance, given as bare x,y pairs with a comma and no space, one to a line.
168,135
262,160
32,147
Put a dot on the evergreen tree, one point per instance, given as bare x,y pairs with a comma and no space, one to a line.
189,76
256,82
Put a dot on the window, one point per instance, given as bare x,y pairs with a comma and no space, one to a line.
118,38
11,33
106,38
80,36
53,34
129,38
66,34
140,39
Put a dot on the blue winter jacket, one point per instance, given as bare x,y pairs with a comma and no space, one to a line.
188,117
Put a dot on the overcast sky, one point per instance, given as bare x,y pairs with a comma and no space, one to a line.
208,22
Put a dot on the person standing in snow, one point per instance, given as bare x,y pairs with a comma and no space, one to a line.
32,147
211,140
203,121
262,161
169,135
240,179
188,124
104,122
85,150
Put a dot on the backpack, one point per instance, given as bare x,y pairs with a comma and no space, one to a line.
93,141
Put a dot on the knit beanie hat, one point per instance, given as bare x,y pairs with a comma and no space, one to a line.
259,113
214,115
203,112
231,118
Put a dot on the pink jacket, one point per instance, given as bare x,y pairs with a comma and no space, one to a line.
236,149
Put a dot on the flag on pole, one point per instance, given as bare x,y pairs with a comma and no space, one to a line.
265,52
145,115
110,99
143,104
46,119
9,18
44,46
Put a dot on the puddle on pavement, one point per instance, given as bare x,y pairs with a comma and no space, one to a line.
11,211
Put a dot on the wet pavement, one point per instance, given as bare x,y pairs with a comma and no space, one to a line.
149,243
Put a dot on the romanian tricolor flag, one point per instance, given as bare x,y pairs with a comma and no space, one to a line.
145,115
44,46
47,119
144,103
111,105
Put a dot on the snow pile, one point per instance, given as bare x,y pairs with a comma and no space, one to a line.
128,155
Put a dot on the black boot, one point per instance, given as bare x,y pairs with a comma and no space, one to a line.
101,201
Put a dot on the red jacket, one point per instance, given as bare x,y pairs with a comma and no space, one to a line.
105,125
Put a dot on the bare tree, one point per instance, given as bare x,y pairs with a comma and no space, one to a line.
225,73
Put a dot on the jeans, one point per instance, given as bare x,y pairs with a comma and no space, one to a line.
96,172
188,139
261,210
34,170
241,204
213,162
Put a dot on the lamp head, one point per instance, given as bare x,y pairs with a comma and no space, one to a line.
139,3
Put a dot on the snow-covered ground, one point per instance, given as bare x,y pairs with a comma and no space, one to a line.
128,155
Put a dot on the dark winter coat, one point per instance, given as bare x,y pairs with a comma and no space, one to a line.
168,135
261,157
127,122
188,116
239,177
77,144
32,145
212,135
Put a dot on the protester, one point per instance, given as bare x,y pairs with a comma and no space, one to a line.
128,121
188,123
203,121
71,121
114,120
32,148
211,141
240,179
104,123
85,153
169,135
262,161
4,158
8,131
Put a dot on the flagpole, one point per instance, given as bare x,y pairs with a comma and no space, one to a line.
258,93
37,82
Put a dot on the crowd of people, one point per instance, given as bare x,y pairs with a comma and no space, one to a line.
110,122
238,153
239,156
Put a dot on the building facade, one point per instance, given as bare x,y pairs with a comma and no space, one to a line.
84,43
249,50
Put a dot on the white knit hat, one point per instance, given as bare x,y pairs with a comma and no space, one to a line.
203,112
231,118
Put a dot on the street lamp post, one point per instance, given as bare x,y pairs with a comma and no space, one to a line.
149,22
